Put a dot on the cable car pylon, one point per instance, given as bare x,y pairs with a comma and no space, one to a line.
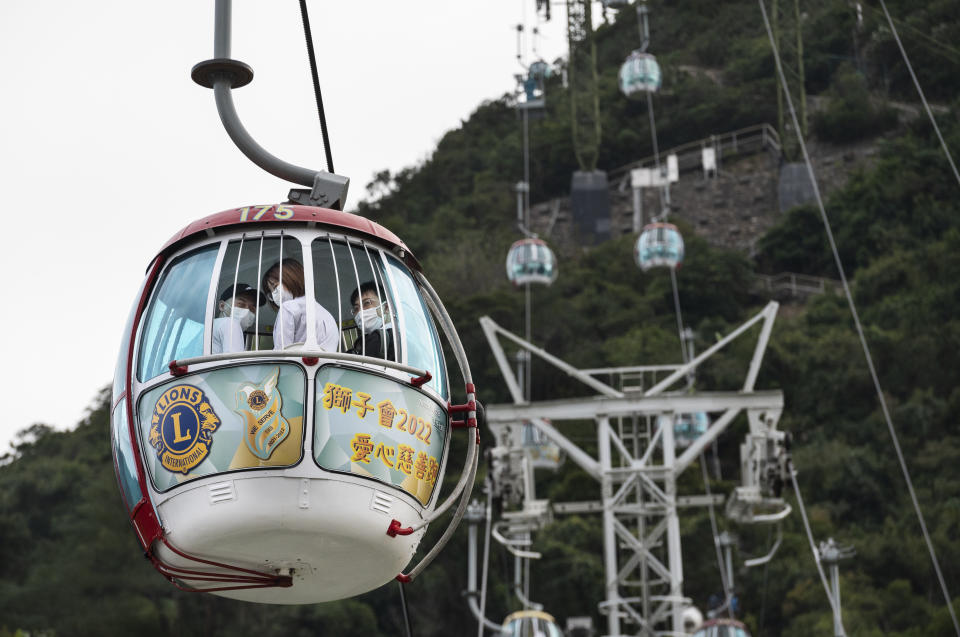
638,466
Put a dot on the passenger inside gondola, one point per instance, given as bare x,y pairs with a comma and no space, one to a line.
286,289
237,309
368,314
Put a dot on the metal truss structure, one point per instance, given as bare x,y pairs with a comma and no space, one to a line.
639,460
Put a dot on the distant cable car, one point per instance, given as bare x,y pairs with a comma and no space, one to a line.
533,95
687,427
540,69
640,74
530,623
294,459
543,453
722,628
531,261
659,245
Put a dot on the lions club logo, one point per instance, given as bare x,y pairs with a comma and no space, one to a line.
257,400
181,429
261,405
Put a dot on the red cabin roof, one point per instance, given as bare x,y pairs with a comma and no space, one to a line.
289,214
660,224
528,241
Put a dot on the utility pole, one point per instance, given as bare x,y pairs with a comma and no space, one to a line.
727,542
830,554
582,73
589,189
788,38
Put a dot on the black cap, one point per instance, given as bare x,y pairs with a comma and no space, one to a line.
242,289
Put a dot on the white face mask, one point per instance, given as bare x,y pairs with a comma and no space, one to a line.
368,320
242,314
280,294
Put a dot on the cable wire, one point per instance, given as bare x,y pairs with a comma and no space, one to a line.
856,320
656,153
933,121
727,592
813,547
486,561
406,614
676,307
763,597
316,84
920,34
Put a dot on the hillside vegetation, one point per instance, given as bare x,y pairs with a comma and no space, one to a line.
69,561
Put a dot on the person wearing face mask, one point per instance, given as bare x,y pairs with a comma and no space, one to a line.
286,289
368,314
237,310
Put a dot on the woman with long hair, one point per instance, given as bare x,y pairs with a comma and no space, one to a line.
286,288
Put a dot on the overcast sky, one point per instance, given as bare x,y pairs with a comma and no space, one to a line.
107,148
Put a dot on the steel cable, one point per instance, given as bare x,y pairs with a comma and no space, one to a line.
763,597
813,547
316,84
727,586
856,320
664,212
488,510
406,613
933,121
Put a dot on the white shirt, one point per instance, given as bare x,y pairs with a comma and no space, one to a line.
290,327
226,340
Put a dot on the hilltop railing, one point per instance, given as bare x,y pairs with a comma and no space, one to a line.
745,141
789,284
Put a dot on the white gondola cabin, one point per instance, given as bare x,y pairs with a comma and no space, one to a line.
530,623
542,452
687,427
659,245
540,69
722,628
531,261
640,74
281,416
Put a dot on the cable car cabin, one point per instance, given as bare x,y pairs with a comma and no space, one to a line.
659,245
687,427
532,97
281,406
543,453
640,74
531,261
540,70
530,623
722,628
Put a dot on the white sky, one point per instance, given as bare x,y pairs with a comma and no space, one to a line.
107,148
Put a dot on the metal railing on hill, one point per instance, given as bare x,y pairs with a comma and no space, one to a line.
791,285
745,141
